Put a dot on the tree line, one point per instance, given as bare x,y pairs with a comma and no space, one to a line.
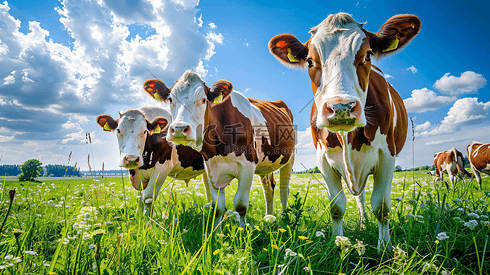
49,170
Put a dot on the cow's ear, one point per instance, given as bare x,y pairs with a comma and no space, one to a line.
220,90
157,124
395,34
107,123
156,89
289,50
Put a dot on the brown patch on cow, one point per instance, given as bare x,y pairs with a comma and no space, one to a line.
327,138
362,64
279,122
227,131
383,212
241,209
336,212
482,158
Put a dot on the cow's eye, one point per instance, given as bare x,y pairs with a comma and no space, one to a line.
368,56
170,100
310,62
203,100
118,131
143,133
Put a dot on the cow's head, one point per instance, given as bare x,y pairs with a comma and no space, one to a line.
188,100
132,130
338,56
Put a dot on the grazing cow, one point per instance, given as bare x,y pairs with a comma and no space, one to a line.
150,158
358,120
450,162
479,157
237,136
431,173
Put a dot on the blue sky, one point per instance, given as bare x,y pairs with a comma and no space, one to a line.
62,63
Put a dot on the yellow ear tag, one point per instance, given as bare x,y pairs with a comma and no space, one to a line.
218,99
291,57
157,130
107,127
393,46
158,97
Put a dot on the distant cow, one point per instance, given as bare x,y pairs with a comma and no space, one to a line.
450,162
431,173
237,136
358,120
150,158
479,157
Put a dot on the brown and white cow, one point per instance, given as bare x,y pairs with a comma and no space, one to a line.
145,151
237,136
358,120
450,162
479,157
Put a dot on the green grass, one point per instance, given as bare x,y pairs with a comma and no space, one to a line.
91,227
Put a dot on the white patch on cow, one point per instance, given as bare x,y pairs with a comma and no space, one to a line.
223,169
247,109
337,50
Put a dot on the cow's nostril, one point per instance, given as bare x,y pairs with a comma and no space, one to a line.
137,159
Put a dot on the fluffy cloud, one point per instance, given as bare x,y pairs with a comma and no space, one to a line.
48,89
424,100
464,112
469,82
422,127
412,69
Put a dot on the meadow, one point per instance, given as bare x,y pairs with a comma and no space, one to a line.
90,226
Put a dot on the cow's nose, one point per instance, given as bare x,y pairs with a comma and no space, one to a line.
342,114
131,161
179,130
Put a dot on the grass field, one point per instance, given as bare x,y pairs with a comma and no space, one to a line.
90,226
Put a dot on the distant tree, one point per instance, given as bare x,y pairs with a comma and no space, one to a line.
398,168
31,169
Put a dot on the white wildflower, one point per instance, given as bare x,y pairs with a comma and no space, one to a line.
473,216
306,269
442,236
148,200
91,246
399,253
207,205
184,230
424,206
485,222
32,253
471,224
360,247
484,217
456,200
270,218
289,252
319,234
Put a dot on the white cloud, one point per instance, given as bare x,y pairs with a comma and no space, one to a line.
464,112
388,76
424,100
30,143
469,82
6,138
212,25
9,79
422,127
436,142
412,69
213,38
199,20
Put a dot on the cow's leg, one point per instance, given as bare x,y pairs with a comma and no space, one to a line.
452,177
284,180
135,180
242,195
361,200
477,175
206,186
268,184
336,195
151,191
218,201
380,198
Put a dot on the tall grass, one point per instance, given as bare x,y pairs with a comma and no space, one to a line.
87,226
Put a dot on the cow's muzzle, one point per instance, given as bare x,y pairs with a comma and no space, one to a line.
342,116
130,161
179,134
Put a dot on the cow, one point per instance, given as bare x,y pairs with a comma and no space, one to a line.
431,173
449,162
150,158
479,157
237,136
358,120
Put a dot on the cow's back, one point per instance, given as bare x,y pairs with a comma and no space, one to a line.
479,155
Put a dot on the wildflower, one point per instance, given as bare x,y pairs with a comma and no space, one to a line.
484,217
341,240
456,200
360,247
207,205
91,246
275,246
289,252
86,215
32,253
424,206
471,224
51,203
302,238
282,230
270,218
485,222
264,249
319,234
306,269
442,236
444,272
413,202
184,230
240,228
148,200
257,228
410,215
216,251
473,216
399,253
